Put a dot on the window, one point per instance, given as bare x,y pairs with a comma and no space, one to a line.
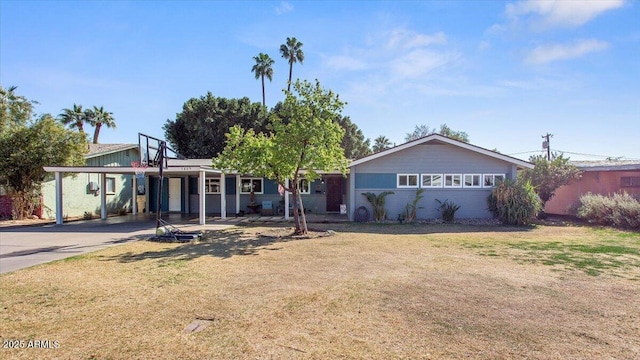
110,187
431,180
452,180
246,184
472,180
490,180
303,186
630,181
407,181
212,186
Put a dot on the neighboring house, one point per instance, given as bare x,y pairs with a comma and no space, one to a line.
598,177
447,169
81,191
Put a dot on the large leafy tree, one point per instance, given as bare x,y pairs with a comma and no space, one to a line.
302,137
15,110
199,130
381,143
547,176
354,144
423,130
28,146
99,117
261,69
75,117
292,51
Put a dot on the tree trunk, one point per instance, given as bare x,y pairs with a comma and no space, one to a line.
96,133
296,217
290,72
264,103
305,230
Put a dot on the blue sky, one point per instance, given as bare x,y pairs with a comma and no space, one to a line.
504,72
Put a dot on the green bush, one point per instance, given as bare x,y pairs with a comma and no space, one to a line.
514,202
448,209
378,202
411,209
619,210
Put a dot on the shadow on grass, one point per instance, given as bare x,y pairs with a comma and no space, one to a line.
418,228
219,243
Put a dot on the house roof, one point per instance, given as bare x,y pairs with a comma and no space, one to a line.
437,138
96,150
607,165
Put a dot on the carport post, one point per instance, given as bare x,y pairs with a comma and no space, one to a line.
58,181
103,196
134,194
286,200
223,197
201,191
237,193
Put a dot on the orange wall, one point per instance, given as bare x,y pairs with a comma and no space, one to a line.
595,182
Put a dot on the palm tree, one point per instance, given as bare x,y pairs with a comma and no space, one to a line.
381,143
293,53
98,117
75,118
261,69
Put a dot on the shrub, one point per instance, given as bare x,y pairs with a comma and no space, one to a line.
514,202
410,210
448,210
619,210
378,201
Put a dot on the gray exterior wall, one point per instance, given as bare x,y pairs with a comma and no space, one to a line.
315,202
380,175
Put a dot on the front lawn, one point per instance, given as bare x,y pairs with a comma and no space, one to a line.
367,291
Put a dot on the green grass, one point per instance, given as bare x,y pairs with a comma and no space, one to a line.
604,251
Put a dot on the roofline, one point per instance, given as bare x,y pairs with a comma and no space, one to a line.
129,147
628,167
127,169
450,141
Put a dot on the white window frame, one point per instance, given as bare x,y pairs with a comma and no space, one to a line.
110,185
453,176
251,179
464,181
493,179
210,185
408,177
431,176
301,188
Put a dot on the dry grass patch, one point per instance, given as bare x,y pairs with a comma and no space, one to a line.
369,291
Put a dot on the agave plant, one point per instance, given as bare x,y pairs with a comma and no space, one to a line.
448,209
378,202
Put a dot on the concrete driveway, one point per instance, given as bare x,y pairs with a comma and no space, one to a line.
25,246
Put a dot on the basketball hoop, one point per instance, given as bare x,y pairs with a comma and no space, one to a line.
139,168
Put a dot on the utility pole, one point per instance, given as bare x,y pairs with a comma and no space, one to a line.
547,145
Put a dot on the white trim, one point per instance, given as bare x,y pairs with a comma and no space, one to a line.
408,186
207,185
444,139
422,185
110,180
464,181
493,179
300,187
444,181
252,179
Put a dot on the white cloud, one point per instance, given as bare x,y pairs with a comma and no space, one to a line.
284,8
559,13
549,53
405,39
420,62
345,62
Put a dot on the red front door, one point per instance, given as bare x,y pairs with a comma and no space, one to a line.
334,193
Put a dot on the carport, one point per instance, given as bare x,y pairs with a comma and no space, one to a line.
174,168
